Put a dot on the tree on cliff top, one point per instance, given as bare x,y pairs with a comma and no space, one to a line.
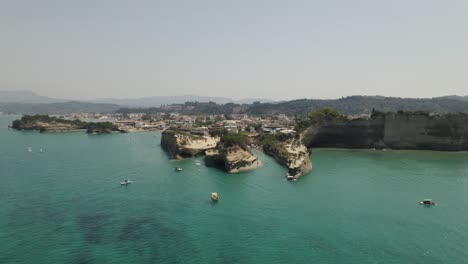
324,115
231,140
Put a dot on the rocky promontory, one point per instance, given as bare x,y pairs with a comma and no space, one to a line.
228,151
233,159
45,123
182,144
289,151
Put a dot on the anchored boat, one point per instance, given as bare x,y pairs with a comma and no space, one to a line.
214,196
125,182
427,202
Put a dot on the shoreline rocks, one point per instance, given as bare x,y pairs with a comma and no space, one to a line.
233,159
291,153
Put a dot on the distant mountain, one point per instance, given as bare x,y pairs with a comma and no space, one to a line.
30,102
57,108
156,101
252,100
26,97
352,105
456,97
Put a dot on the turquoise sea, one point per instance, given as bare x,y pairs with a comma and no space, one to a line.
65,205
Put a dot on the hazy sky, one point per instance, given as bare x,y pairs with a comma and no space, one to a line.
238,49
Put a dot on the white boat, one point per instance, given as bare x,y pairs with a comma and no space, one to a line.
214,197
29,149
198,163
290,178
178,169
125,182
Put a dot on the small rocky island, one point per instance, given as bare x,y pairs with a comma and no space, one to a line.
231,151
45,123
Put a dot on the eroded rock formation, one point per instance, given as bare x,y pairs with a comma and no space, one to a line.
181,145
292,154
233,159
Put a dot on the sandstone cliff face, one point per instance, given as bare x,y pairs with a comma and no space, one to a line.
183,145
233,159
292,154
394,130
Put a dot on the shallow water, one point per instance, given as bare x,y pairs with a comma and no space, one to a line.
66,205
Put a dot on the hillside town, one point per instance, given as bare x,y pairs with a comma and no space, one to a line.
197,124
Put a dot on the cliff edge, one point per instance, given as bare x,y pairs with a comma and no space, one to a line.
402,130
291,153
181,144
233,159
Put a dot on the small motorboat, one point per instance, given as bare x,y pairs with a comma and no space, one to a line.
29,149
214,197
178,169
427,202
290,178
125,182
198,163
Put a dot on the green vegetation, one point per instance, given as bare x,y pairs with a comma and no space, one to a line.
36,122
230,140
203,121
356,105
273,139
352,105
27,121
324,115
101,127
147,117
319,117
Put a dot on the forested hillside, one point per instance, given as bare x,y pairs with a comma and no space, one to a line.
353,105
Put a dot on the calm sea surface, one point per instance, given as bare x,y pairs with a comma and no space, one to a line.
66,205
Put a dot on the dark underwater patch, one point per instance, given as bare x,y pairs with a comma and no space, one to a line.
138,229
158,240
81,258
93,225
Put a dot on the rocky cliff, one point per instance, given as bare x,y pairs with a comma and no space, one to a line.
233,159
181,145
393,130
292,154
344,133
